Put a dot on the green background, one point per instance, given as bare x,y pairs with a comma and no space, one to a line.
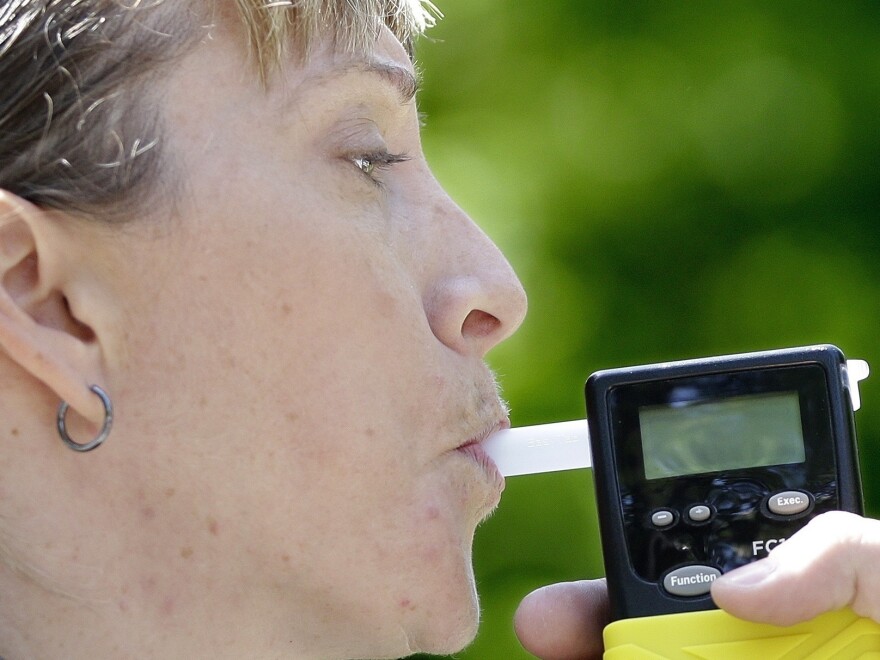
669,180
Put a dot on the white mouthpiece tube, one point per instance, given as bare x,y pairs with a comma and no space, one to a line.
543,448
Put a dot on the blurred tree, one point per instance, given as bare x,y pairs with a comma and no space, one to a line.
670,180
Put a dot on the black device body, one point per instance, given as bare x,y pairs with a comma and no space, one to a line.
719,472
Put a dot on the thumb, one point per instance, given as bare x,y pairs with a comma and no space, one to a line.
829,564
564,621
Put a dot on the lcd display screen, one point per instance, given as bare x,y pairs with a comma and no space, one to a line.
722,434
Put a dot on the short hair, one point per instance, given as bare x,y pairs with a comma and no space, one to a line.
79,131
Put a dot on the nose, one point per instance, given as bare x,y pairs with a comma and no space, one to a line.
474,300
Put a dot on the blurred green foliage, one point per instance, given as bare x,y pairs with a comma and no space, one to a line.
669,180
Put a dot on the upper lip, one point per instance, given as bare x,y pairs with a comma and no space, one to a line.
503,423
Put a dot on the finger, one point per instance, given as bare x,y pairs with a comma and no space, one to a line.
564,621
829,564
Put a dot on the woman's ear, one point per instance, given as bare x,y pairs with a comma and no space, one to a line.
39,327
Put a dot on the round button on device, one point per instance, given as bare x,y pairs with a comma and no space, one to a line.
788,503
662,518
699,513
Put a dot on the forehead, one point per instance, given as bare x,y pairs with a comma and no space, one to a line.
328,73
216,104
386,61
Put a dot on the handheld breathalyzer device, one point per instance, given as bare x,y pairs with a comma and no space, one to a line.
702,466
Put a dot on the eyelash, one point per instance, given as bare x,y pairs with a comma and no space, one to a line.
374,163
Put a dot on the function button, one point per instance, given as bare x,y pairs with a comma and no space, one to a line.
788,503
694,580
699,513
662,518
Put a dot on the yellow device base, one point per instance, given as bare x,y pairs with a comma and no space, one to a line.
716,635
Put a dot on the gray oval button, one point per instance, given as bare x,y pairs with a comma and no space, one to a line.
788,503
700,513
695,580
662,518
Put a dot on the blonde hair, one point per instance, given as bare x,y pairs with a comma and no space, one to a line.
74,131
274,25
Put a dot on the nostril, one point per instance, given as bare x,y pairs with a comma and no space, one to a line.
478,324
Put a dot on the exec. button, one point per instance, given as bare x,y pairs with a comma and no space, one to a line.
788,503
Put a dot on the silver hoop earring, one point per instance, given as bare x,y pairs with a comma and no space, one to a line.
105,429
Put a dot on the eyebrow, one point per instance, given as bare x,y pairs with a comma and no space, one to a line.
405,82
402,79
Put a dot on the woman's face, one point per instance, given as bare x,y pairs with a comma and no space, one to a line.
303,357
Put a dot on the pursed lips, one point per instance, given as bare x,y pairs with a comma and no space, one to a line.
473,448
503,423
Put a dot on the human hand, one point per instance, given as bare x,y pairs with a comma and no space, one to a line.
829,564
564,621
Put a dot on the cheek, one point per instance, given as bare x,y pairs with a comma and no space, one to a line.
305,368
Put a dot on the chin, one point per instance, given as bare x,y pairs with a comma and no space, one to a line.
451,629
449,641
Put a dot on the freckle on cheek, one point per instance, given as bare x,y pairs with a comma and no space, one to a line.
432,512
213,527
186,553
148,512
407,604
